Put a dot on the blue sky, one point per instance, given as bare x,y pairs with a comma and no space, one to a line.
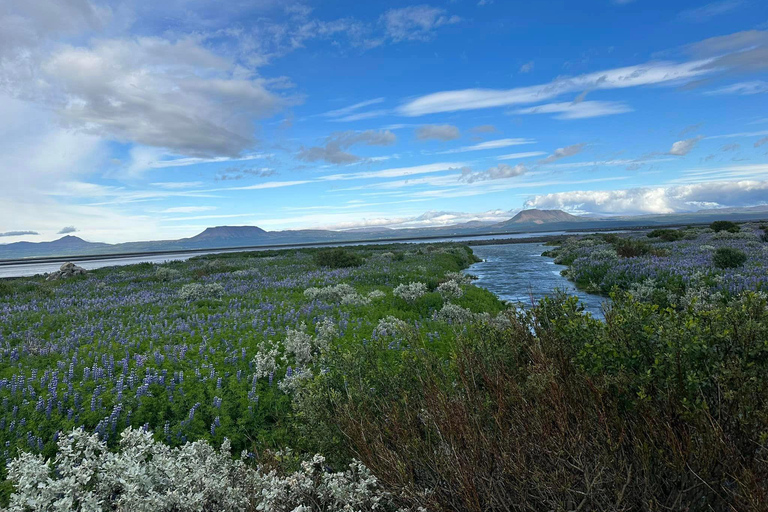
153,120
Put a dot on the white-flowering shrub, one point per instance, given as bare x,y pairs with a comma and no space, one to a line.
325,332
390,327
166,274
459,277
376,295
450,290
453,314
341,293
643,291
148,476
265,361
299,343
198,291
294,380
410,292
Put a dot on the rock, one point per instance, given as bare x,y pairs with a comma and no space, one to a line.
66,270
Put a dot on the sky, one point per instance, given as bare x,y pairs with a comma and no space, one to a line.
136,120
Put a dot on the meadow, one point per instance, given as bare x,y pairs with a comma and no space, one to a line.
380,378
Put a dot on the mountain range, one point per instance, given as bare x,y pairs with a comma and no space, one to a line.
526,221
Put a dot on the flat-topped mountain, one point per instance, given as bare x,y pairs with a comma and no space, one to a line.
535,216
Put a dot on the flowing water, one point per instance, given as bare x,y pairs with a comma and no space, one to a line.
518,273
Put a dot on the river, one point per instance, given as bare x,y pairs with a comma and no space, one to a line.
25,269
518,273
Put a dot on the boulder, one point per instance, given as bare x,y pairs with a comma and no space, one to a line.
66,270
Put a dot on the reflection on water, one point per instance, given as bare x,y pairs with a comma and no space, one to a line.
518,273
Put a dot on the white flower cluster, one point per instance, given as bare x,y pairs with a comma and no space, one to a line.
390,327
453,314
343,294
294,380
410,292
148,476
460,277
198,291
450,290
265,361
306,348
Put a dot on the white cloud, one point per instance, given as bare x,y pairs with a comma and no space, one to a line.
527,67
155,92
491,144
656,200
188,209
632,76
683,147
516,156
437,132
352,108
743,88
581,110
396,172
415,23
560,153
499,172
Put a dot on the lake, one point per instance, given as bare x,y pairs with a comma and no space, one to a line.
519,273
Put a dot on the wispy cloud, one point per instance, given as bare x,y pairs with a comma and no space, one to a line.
491,144
415,23
710,10
188,209
560,153
581,110
743,88
67,230
498,172
517,156
633,76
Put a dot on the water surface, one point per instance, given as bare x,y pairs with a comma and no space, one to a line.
520,274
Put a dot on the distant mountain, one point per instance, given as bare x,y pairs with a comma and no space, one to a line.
65,246
541,217
229,234
526,221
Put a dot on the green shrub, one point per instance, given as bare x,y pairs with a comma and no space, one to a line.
631,248
668,235
338,258
724,225
728,257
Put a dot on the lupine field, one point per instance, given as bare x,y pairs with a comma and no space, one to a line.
381,378
196,350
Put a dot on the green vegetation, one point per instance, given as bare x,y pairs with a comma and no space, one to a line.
450,399
724,225
728,257
338,258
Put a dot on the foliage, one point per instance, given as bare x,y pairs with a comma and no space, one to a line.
724,225
145,475
554,410
728,257
338,258
668,235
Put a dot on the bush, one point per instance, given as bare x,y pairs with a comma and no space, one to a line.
668,235
728,257
338,258
631,248
553,410
148,475
724,225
